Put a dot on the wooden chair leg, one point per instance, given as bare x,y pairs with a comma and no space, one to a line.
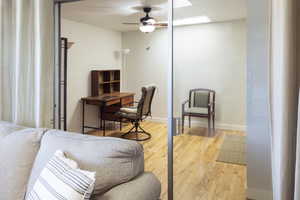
189,121
120,125
182,124
209,128
214,128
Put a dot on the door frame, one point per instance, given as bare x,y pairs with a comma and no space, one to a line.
171,122
57,61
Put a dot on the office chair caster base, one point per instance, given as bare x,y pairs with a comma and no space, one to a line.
134,131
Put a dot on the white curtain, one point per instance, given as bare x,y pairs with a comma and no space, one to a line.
26,61
284,100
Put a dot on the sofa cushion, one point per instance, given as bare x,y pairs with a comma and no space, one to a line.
114,160
17,153
144,187
197,110
6,128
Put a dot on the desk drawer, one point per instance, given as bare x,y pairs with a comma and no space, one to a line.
110,117
93,102
111,109
112,102
127,101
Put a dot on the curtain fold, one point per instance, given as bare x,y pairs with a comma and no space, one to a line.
284,93
26,62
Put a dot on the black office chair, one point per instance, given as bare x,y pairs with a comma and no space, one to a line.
137,114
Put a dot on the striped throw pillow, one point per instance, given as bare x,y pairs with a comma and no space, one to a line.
61,179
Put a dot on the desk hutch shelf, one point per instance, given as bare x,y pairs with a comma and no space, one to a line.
105,82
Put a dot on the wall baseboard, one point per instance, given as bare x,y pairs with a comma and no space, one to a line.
259,194
235,127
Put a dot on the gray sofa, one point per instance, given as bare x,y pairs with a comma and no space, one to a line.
119,164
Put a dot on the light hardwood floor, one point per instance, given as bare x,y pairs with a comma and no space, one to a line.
197,175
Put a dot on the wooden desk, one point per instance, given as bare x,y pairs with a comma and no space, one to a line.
112,101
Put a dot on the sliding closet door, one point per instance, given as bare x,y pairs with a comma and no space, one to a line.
192,95
209,99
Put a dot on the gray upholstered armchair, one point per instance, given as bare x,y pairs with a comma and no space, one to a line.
201,103
137,114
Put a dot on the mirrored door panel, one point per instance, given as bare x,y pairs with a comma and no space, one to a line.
209,78
117,81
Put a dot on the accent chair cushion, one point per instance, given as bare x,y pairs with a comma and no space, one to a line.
62,179
114,160
197,110
17,154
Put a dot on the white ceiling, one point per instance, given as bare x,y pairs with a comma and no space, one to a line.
112,13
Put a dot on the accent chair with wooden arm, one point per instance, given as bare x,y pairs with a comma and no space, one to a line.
201,103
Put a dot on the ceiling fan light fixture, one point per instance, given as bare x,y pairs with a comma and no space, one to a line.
151,21
148,28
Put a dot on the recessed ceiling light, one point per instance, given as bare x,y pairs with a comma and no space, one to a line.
182,3
192,20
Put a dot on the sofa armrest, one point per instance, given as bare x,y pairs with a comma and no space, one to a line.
144,187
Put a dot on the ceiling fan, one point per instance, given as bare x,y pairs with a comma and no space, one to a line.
148,24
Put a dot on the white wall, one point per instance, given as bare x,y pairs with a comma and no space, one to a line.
205,56
145,67
93,47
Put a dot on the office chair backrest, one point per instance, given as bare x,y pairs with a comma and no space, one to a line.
144,106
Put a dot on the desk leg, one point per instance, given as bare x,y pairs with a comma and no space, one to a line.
83,110
100,117
102,122
103,126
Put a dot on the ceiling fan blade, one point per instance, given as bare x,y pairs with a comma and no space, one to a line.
161,24
128,23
